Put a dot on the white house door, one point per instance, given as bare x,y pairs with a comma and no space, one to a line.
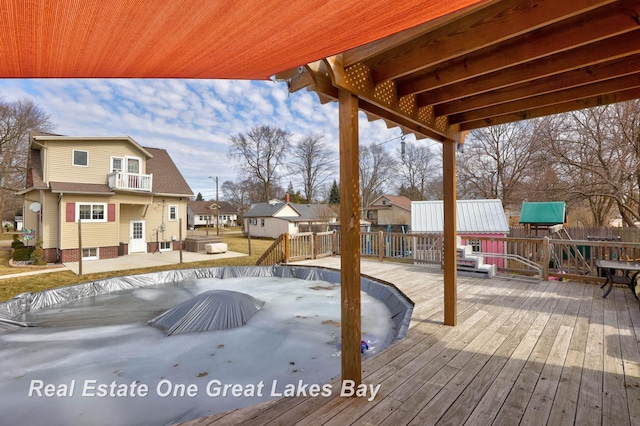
137,243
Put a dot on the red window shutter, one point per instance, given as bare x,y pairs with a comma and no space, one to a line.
71,212
111,212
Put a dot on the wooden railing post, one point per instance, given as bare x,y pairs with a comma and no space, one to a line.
381,247
546,258
314,246
287,248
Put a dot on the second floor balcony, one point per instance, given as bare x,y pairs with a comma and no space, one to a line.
130,181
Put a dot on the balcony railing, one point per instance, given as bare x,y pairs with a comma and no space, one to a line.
130,181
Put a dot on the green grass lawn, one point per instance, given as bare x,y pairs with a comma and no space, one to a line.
11,287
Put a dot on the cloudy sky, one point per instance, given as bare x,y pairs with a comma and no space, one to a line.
192,119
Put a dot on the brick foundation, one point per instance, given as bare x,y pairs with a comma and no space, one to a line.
73,255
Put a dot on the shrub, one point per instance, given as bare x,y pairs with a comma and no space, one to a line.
16,243
22,254
37,256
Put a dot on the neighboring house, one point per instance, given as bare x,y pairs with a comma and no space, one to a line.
270,220
389,210
203,213
474,218
127,198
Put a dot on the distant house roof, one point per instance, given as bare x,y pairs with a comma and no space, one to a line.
543,213
395,200
206,207
473,216
306,212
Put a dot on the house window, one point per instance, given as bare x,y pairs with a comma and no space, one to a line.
133,165
253,221
90,253
91,212
173,213
80,158
262,222
165,245
116,164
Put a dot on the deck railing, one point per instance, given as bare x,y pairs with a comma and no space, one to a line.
541,257
130,181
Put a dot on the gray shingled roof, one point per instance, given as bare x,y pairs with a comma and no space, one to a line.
81,188
167,179
307,212
198,207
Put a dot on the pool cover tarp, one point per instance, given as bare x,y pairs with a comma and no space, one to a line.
211,310
12,312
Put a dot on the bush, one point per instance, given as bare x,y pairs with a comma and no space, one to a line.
37,256
16,243
22,254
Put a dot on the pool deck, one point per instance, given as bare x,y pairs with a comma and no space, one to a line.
523,352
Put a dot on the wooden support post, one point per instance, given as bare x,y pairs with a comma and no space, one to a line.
180,237
287,248
80,247
381,247
350,237
546,258
449,250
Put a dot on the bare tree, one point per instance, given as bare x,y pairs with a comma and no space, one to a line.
498,161
261,153
417,169
599,155
17,119
313,161
377,170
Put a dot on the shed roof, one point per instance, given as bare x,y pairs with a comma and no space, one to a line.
473,216
543,213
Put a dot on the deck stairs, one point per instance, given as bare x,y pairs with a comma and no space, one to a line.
471,263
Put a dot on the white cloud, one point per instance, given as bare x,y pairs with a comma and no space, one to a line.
192,119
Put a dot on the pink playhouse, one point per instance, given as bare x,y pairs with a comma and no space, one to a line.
476,219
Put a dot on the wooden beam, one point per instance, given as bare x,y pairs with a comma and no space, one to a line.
561,96
601,51
597,25
574,78
350,237
621,96
495,23
450,233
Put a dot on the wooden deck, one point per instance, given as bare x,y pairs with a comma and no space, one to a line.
524,352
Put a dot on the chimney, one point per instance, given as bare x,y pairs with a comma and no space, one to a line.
287,198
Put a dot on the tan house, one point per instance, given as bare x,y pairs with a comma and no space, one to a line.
203,213
108,195
389,210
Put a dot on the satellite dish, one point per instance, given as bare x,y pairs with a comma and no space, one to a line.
35,207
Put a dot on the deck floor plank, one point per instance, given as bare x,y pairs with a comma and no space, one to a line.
523,352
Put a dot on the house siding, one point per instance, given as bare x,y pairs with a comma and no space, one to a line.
58,160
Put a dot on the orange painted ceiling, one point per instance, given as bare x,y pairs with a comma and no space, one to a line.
237,39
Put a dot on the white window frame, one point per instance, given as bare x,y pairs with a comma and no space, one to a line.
125,164
104,210
175,210
73,158
95,256
113,169
169,243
